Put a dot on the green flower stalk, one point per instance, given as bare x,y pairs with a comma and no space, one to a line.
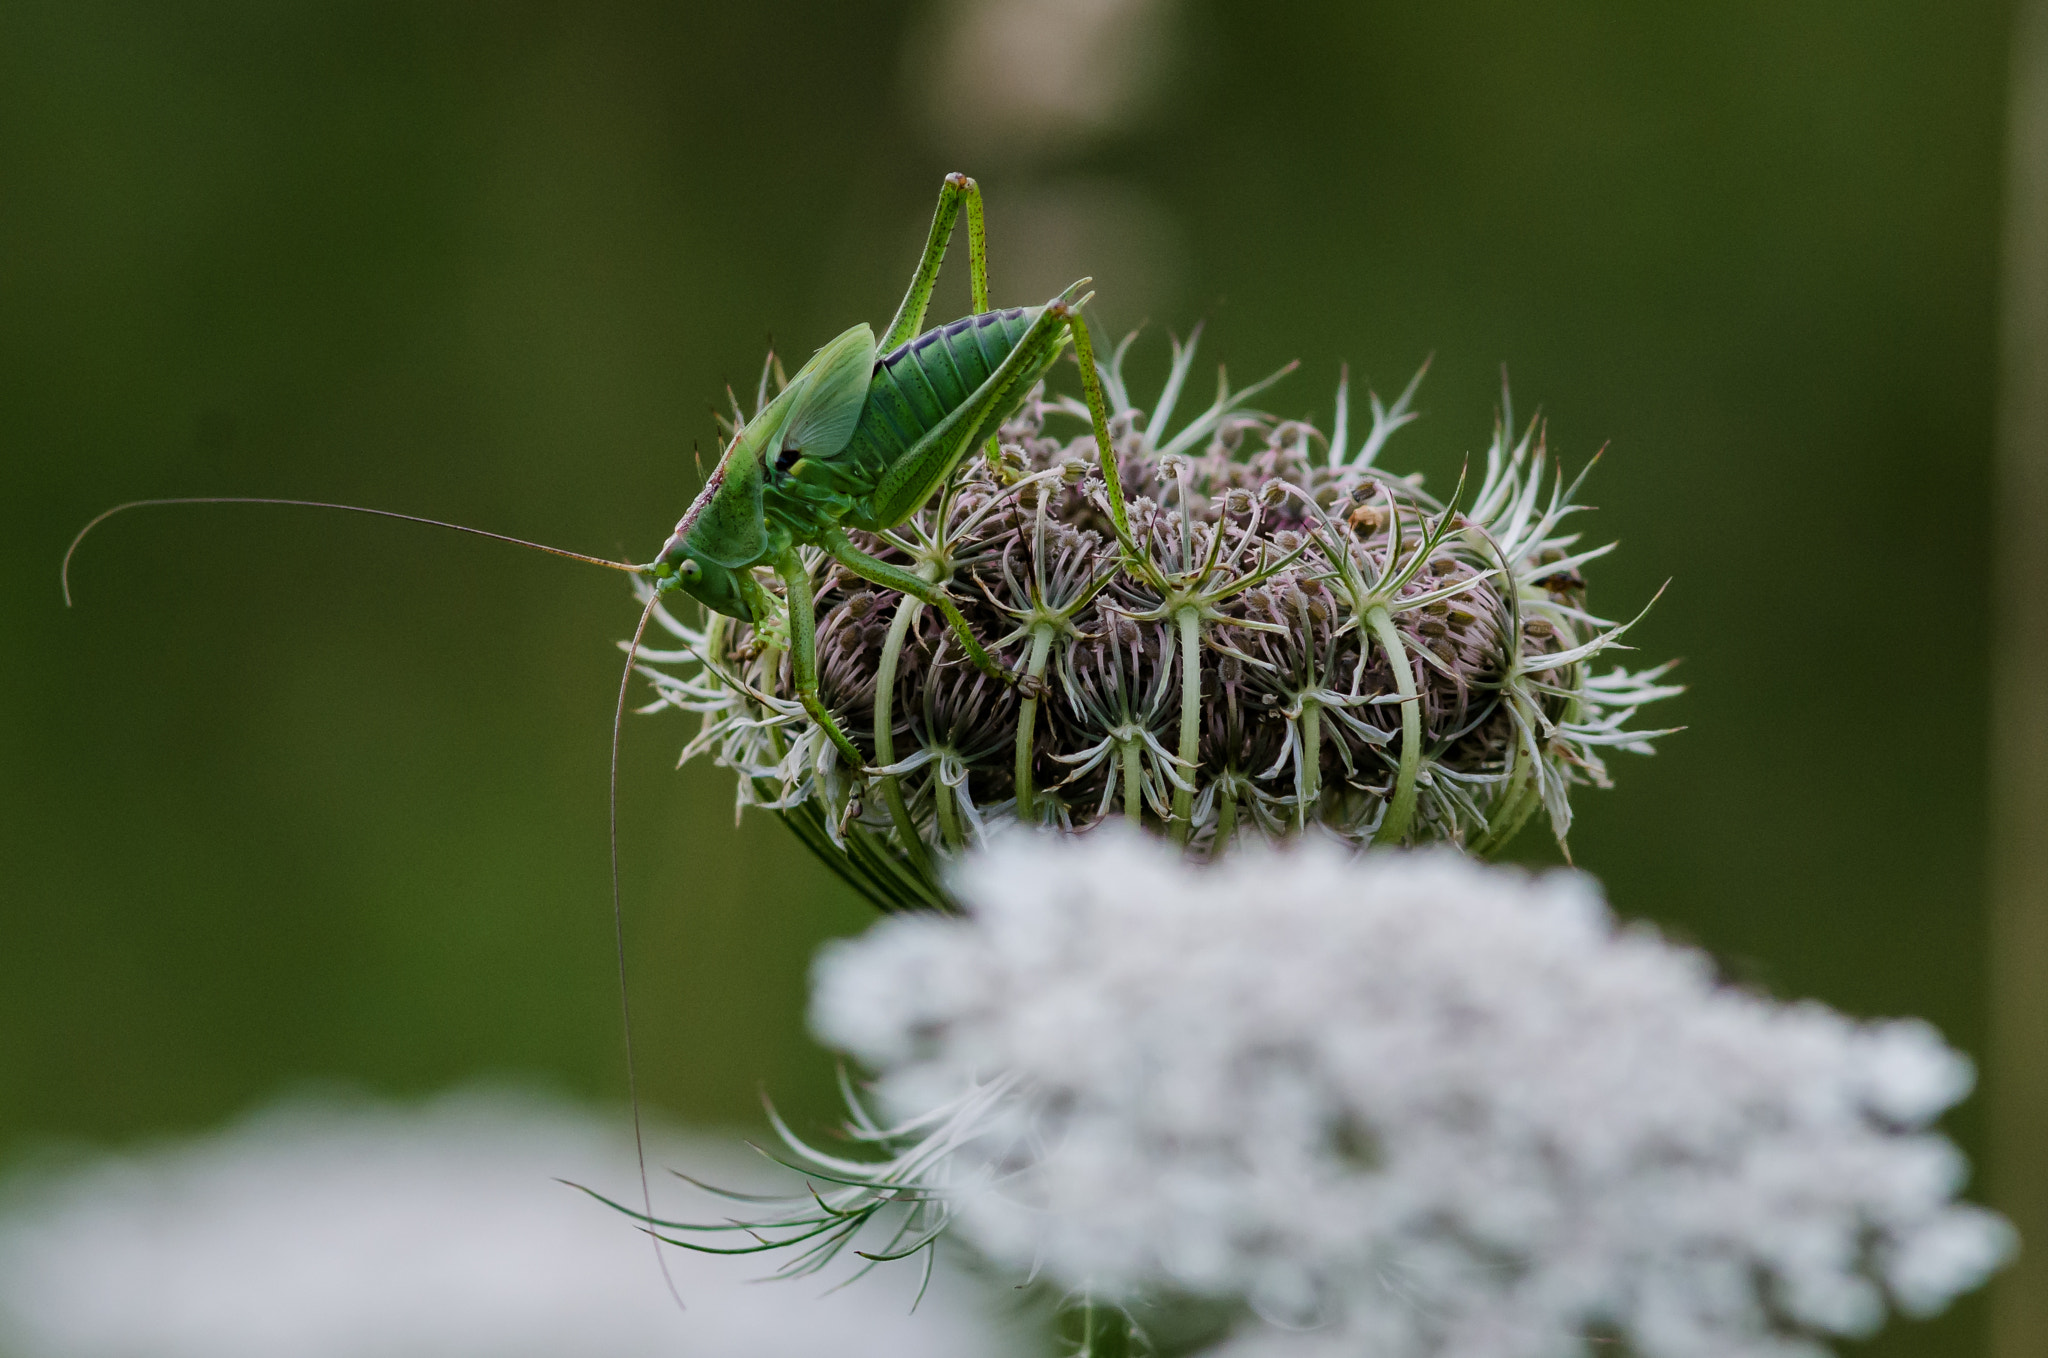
1249,629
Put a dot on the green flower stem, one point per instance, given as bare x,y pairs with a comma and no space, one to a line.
1309,726
907,609
1226,811
1105,1332
1520,801
949,818
871,852
883,871
716,625
1190,620
1311,760
1134,791
1523,796
1401,810
1027,721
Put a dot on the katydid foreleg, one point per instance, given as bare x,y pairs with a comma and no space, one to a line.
803,653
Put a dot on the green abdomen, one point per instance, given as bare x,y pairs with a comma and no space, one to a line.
919,383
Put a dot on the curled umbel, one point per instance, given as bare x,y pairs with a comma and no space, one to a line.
1251,629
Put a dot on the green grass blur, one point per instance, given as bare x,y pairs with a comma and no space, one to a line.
291,796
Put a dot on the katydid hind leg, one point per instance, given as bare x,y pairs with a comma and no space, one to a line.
913,478
977,250
910,315
977,273
1098,415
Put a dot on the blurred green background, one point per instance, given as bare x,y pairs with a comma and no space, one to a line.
294,796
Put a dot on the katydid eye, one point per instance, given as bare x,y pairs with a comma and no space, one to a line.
688,569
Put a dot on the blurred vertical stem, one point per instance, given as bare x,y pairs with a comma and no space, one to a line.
2019,753
1134,791
1027,723
1105,1332
1189,620
1226,813
907,609
1401,807
949,818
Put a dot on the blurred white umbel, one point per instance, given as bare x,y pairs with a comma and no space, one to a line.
1402,1105
326,1230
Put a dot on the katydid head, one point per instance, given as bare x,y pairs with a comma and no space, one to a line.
724,533
715,586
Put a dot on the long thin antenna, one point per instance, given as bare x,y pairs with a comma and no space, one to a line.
619,940
618,724
64,574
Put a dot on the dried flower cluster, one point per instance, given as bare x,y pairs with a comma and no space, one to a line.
1288,636
1402,1105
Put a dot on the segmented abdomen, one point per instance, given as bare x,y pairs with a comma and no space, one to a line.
919,383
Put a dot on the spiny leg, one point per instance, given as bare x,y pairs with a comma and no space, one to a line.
932,459
1098,416
977,274
913,478
910,316
977,249
803,654
927,276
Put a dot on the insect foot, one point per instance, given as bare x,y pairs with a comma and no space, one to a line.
1238,628
1029,685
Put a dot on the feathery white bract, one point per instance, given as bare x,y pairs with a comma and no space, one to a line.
1406,1105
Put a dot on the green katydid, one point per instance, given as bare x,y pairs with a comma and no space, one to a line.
862,437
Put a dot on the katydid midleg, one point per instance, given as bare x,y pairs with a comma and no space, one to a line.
862,437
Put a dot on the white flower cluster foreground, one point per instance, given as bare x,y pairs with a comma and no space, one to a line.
1406,1105
324,1229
